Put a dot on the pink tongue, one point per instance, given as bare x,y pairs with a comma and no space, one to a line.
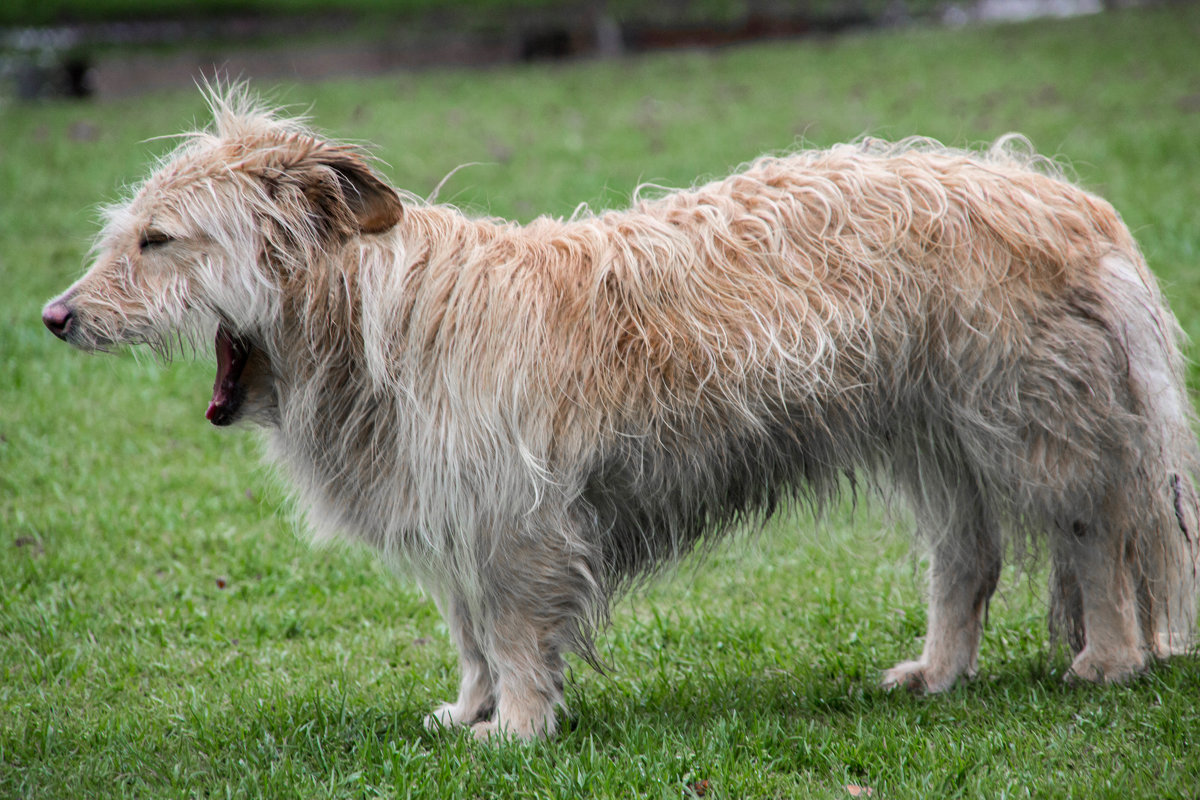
224,383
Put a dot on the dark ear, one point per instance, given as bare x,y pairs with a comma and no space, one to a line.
350,192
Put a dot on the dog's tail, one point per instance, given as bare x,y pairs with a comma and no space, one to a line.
1154,492
1169,542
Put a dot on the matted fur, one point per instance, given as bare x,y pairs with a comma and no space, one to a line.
530,417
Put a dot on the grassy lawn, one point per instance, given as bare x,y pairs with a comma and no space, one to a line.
164,631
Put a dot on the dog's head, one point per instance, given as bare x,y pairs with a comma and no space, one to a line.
207,244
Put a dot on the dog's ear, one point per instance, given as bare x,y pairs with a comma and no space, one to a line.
342,185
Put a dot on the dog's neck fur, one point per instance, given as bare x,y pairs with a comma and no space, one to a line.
377,324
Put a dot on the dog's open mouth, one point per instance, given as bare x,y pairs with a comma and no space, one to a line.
228,391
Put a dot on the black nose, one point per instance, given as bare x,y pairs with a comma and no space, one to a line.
58,317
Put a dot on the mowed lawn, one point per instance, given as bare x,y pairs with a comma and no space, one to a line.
165,629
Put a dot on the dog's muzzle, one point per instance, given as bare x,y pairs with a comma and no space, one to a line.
59,318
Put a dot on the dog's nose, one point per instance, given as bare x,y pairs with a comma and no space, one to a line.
58,317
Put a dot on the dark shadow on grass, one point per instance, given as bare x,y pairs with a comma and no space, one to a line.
694,702
322,730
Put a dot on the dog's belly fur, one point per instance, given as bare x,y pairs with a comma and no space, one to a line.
648,501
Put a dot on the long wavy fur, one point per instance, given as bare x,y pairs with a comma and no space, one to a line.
531,417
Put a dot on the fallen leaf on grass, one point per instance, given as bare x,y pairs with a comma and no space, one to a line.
35,546
699,788
859,791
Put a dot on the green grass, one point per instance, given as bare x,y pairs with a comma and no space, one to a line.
165,632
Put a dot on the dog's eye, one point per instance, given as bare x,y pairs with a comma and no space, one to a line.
152,239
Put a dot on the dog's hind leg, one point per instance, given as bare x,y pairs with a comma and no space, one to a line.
964,571
476,689
1102,569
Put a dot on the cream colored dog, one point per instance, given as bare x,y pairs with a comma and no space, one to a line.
531,417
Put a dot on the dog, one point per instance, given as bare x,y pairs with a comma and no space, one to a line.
530,419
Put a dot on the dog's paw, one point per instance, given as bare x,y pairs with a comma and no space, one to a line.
1168,644
488,731
494,730
1096,667
918,677
448,715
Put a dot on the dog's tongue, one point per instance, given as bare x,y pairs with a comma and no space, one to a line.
231,359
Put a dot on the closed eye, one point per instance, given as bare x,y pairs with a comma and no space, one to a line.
153,239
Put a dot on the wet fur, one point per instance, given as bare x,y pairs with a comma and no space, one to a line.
529,418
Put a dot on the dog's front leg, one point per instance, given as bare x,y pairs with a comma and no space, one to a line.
529,684
476,689
526,605
533,594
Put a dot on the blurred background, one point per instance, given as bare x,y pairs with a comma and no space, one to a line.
104,48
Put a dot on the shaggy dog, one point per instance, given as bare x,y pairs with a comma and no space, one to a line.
530,418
